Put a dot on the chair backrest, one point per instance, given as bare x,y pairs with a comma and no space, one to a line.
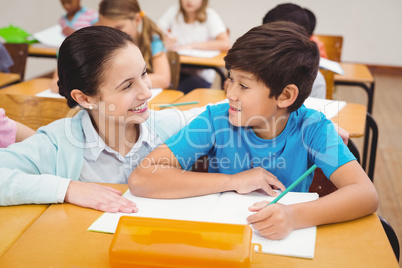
174,62
34,111
19,54
393,239
333,46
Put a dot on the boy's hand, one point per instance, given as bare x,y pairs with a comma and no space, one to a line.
256,179
103,198
273,222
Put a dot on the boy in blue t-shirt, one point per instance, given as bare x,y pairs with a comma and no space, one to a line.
263,139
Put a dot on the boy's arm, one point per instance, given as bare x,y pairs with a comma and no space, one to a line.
355,197
160,175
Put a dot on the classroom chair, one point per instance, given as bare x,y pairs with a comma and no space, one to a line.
19,54
34,111
370,137
174,62
393,239
333,46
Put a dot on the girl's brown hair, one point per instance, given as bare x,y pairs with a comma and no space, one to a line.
128,9
200,15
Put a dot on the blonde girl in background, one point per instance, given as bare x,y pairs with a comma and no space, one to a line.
193,25
127,16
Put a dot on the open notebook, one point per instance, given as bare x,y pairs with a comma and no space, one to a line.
228,207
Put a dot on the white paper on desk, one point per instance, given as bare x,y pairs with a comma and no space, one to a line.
52,36
228,207
331,65
193,208
155,92
233,208
199,53
328,107
49,94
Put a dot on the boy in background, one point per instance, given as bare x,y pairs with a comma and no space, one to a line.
263,139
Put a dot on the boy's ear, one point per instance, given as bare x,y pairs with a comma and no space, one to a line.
288,96
82,99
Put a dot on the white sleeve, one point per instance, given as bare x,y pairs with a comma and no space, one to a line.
166,21
215,24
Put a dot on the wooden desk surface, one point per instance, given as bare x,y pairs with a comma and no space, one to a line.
352,117
59,238
8,78
357,73
216,61
37,85
40,50
15,221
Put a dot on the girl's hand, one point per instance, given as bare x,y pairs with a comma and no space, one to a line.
67,31
103,198
255,179
273,222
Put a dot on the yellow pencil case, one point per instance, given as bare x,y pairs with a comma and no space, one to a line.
151,242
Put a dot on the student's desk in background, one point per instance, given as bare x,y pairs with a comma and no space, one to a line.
37,85
59,238
216,63
8,78
40,50
357,75
352,117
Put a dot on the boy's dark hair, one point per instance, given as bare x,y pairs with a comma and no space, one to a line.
277,54
312,21
288,12
84,58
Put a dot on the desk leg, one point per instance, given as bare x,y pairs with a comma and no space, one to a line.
369,91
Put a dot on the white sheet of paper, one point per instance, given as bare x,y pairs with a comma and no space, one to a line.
49,94
199,53
193,208
331,65
51,36
228,207
155,92
233,208
328,107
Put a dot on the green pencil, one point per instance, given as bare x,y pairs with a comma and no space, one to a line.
293,185
178,104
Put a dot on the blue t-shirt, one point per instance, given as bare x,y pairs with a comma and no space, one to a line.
308,138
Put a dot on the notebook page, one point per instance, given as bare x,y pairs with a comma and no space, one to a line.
191,209
233,208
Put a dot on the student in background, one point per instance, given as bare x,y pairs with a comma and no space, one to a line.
12,131
126,15
77,17
296,14
310,31
192,25
263,139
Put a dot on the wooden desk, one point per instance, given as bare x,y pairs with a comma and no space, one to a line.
37,85
59,238
352,117
8,78
15,221
357,75
40,50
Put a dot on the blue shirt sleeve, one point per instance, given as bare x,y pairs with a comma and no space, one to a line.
194,140
157,45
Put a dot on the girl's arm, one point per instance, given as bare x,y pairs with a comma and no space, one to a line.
160,77
222,43
23,132
356,197
160,175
